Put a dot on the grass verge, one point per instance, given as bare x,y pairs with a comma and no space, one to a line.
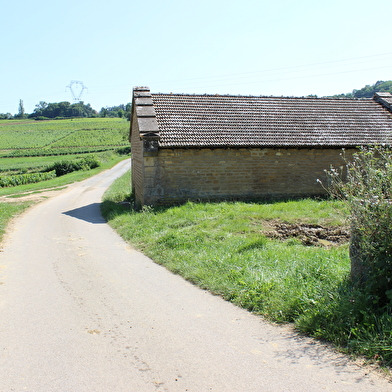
223,247
9,210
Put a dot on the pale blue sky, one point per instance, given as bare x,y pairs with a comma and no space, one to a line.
247,47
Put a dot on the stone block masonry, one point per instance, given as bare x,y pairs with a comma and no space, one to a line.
178,175
137,164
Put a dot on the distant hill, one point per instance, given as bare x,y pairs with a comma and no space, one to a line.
368,91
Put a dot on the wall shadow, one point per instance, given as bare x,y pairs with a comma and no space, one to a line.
90,213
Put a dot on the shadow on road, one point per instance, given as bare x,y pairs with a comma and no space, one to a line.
90,213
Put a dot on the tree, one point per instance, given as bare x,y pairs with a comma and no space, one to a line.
21,112
365,186
41,105
63,110
117,111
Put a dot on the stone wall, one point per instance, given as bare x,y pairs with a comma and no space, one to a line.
177,175
137,162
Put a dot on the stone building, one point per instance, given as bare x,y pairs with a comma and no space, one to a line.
222,147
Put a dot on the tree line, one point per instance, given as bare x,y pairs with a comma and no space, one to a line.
369,90
59,110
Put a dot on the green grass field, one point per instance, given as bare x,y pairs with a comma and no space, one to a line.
227,249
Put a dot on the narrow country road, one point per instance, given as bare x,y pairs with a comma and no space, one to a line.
80,310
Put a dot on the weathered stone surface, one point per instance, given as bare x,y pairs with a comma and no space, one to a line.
145,111
147,124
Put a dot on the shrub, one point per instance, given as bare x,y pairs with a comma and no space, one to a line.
68,166
89,162
29,178
123,150
366,188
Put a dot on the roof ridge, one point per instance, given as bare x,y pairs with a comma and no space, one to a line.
261,96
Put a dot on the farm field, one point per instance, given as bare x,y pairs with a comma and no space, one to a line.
30,146
42,155
55,137
61,137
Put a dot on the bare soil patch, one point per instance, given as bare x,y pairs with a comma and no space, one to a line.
310,235
35,196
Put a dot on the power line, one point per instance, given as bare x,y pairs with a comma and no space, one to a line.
299,68
287,78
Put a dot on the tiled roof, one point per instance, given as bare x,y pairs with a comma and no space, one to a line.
247,121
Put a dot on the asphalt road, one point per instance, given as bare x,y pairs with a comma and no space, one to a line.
80,310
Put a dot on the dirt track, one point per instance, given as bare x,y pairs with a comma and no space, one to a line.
82,311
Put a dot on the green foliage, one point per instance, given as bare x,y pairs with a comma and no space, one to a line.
369,90
121,111
21,113
29,178
24,165
62,109
119,191
346,317
45,152
108,159
40,164
30,152
68,166
366,188
91,138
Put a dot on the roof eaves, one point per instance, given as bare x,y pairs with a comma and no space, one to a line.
266,145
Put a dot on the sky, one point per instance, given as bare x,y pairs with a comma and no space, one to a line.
50,50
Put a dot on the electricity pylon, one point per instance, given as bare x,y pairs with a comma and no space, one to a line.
76,88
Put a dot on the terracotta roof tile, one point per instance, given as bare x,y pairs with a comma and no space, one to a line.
246,121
